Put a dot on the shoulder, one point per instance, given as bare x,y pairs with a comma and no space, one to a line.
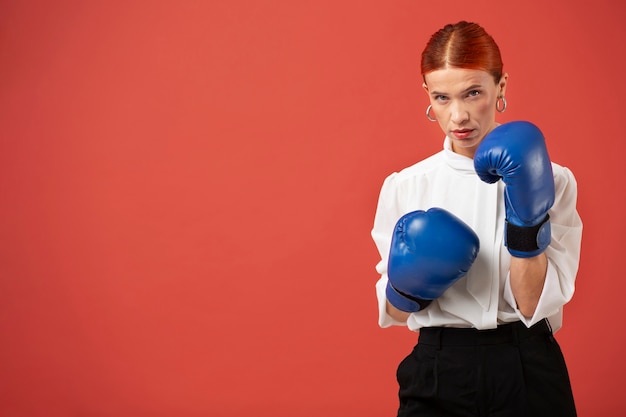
566,192
419,169
409,184
563,176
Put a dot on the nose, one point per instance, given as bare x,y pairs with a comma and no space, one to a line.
459,113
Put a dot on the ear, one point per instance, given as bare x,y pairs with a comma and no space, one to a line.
425,87
502,84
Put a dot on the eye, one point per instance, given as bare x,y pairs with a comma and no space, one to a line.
473,93
440,97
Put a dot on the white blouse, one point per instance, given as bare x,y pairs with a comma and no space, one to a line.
483,298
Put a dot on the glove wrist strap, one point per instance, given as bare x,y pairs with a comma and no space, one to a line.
525,242
407,302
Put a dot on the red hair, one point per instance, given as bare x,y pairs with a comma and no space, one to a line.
462,45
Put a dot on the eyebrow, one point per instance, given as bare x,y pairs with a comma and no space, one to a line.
471,87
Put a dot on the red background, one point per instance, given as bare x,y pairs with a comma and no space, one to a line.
187,191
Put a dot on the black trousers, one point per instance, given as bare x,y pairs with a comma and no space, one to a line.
509,371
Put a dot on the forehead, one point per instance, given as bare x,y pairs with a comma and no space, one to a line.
452,80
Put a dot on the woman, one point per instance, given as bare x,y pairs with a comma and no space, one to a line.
481,268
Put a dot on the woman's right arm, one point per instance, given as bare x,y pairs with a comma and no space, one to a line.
397,315
387,213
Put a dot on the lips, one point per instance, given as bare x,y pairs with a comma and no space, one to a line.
462,133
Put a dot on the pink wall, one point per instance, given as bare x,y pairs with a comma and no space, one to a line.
187,190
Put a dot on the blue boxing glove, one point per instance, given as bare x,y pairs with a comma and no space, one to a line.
430,251
517,153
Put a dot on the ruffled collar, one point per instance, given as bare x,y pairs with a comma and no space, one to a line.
461,163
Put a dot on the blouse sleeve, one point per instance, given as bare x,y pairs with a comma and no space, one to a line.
563,253
387,214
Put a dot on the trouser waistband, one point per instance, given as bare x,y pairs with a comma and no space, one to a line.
506,333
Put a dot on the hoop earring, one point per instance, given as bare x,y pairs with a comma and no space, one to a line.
431,118
502,108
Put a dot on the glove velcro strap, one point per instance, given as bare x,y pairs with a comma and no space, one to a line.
528,241
405,302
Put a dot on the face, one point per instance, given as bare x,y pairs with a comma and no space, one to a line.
464,104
